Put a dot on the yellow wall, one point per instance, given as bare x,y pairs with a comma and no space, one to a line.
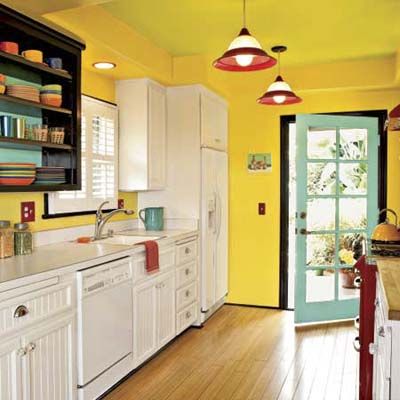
95,85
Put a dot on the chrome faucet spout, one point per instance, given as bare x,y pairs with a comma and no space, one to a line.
102,219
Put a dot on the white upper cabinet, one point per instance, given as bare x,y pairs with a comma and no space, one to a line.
142,135
214,121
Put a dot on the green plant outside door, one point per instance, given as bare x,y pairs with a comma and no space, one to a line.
337,207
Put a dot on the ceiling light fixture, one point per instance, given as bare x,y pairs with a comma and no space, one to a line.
104,65
279,92
244,53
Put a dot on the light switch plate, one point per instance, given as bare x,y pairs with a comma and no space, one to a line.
28,211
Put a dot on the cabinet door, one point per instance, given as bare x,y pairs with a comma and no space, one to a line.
214,122
49,365
145,316
10,370
166,310
157,137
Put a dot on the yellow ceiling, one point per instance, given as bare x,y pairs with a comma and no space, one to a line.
314,30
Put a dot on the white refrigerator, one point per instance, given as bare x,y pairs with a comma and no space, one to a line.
197,183
213,228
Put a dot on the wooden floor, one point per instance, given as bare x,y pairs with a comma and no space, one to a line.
250,353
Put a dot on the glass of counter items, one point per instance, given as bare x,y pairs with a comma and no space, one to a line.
23,243
6,239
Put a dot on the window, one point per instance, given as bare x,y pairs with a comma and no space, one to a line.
99,144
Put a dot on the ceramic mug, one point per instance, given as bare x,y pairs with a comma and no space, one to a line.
33,55
153,219
54,62
9,47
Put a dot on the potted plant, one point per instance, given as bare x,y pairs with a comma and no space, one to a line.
347,274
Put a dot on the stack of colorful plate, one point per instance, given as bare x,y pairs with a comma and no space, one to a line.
51,95
2,83
50,175
20,174
24,92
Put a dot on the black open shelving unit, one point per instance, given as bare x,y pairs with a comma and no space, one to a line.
31,34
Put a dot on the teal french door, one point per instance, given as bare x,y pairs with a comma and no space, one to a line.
337,207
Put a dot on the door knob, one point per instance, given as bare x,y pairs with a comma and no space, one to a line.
304,231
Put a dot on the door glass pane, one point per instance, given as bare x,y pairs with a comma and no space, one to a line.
320,285
321,214
352,213
320,250
353,178
321,178
321,143
353,144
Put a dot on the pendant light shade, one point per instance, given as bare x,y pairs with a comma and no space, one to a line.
244,53
279,92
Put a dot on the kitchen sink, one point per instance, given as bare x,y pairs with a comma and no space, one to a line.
127,240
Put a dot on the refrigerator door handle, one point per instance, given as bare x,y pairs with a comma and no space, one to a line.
215,213
219,213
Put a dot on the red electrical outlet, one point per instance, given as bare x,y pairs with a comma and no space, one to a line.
261,208
28,211
121,203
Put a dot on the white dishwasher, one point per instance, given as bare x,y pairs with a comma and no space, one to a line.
105,314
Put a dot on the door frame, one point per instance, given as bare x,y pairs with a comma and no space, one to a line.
285,120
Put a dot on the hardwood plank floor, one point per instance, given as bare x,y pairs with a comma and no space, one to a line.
247,353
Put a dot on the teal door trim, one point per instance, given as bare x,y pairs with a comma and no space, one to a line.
335,309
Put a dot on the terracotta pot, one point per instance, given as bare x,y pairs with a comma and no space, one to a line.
347,278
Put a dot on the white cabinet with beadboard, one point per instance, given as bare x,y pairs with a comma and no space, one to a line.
154,315
37,339
386,346
142,135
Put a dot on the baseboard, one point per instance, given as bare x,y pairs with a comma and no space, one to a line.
257,306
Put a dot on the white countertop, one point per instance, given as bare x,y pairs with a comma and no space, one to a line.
70,254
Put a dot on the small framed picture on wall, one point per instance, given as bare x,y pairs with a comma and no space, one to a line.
259,163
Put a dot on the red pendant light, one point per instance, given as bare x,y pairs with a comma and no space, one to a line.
279,92
244,53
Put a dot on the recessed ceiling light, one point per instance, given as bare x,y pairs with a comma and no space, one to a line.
104,65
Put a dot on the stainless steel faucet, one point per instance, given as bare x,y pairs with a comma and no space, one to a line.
102,219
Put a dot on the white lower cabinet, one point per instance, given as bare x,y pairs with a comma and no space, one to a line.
49,363
10,370
154,315
39,364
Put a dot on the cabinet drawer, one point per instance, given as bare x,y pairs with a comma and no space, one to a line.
186,273
186,317
186,252
166,260
21,311
186,295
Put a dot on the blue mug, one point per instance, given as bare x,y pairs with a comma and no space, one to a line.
54,62
153,218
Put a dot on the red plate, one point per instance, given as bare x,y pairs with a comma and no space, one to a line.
17,181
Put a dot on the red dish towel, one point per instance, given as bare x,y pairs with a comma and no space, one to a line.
152,261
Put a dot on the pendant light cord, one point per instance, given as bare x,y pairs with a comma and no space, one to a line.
279,63
244,13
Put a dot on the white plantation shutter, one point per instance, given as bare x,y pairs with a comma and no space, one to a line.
99,144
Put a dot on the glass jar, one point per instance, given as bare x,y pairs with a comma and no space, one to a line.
6,240
22,239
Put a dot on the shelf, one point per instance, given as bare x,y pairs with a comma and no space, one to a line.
38,188
34,66
36,143
29,103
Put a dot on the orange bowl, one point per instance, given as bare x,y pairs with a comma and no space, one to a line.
51,101
16,181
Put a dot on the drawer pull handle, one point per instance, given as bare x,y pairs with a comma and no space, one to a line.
357,323
188,315
187,271
187,293
22,351
187,250
381,331
31,347
21,311
356,344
